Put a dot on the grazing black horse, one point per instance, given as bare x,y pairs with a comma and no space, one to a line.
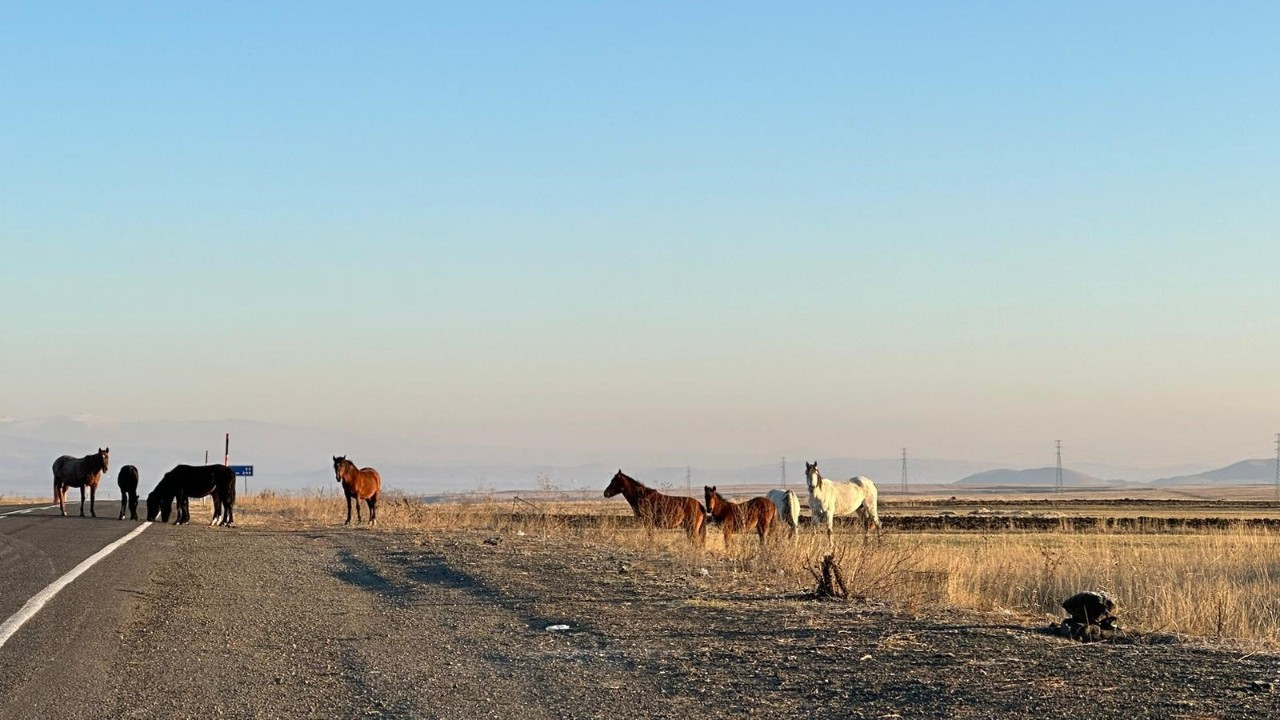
128,482
188,481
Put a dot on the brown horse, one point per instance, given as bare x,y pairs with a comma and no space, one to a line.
658,510
69,472
363,484
757,513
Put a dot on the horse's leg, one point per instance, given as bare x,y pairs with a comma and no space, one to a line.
348,522
81,501
93,497
124,500
133,505
358,518
217,511
373,508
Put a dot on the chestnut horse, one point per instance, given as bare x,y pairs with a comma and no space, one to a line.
128,482
757,513
658,510
69,472
363,484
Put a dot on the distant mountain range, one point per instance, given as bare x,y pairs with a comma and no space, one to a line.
1037,477
1245,472
287,457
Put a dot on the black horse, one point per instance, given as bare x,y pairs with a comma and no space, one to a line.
188,481
128,482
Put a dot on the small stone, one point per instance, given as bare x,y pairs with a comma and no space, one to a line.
1262,686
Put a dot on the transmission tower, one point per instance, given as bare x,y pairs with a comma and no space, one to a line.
784,472
1057,481
904,471
1278,466
688,479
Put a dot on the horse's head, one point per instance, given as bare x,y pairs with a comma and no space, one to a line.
811,475
104,457
157,506
709,491
340,463
615,486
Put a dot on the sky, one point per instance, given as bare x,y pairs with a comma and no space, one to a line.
740,228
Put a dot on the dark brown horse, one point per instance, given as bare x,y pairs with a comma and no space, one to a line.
757,513
363,484
658,510
128,482
184,482
69,472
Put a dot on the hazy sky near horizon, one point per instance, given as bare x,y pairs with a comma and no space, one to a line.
734,228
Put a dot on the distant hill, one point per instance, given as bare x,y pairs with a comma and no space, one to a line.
1036,477
287,457
1245,472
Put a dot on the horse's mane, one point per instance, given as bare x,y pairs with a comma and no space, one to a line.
640,487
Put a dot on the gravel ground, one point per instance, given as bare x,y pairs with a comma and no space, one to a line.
351,623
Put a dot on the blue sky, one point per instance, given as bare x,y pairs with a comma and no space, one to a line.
729,227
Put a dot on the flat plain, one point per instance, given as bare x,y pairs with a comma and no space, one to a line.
477,610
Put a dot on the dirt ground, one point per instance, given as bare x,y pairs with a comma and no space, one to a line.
332,622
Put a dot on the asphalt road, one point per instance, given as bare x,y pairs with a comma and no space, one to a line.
73,638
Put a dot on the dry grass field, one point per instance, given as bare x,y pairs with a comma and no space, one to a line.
1212,584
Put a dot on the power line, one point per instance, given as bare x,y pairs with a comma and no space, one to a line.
1057,481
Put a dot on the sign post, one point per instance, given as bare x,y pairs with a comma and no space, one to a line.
244,471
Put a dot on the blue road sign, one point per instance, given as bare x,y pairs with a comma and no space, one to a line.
242,470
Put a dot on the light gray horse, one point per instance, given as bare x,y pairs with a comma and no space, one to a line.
69,472
788,505
829,498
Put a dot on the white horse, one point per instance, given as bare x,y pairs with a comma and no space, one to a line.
829,498
788,508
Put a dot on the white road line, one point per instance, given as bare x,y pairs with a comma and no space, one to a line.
20,512
28,611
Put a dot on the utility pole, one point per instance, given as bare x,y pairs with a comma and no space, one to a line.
904,471
784,471
688,480
1057,482
1278,466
